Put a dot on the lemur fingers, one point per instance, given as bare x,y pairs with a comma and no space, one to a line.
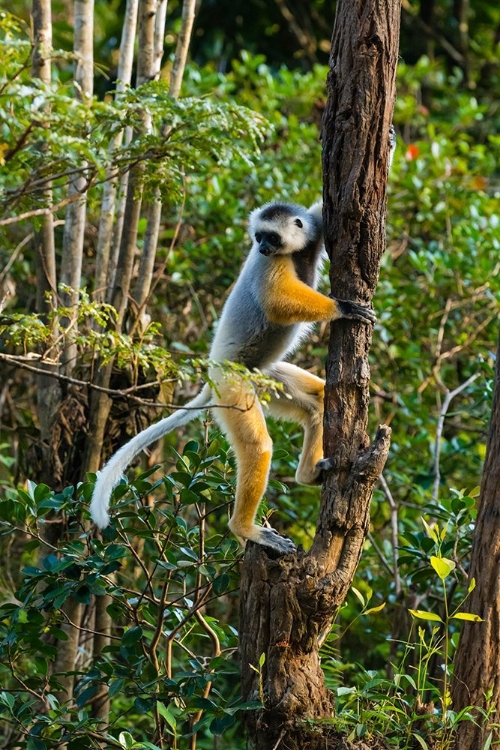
355,311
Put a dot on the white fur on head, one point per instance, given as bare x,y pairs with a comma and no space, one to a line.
317,211
283,219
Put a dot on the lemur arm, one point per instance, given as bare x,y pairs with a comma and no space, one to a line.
287,300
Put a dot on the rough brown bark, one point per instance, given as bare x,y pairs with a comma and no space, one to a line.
288,603
478,654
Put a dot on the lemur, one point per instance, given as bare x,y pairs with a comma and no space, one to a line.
263,320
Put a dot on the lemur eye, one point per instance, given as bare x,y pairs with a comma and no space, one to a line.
258,237
274,238
298,223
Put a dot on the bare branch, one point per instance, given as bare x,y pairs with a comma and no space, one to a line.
450,395
394,533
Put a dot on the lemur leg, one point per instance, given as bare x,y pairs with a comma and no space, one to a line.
245,427
306,407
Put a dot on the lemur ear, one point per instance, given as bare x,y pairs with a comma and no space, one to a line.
298,223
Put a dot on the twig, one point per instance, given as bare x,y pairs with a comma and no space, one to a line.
125,392
159,625
108,740
308,44
217,652
394,532
445,44
39,211
379,552
87,630
450,395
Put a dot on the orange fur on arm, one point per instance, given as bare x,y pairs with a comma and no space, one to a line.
288,300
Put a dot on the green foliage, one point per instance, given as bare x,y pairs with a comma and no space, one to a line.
49,136
164,570
413,705
437,304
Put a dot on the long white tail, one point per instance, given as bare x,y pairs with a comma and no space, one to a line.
110,475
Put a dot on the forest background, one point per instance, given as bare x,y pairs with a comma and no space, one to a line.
144,622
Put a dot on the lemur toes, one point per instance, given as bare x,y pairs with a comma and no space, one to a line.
355,311
271,538
324,465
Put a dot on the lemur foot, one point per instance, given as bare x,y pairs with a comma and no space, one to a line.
271,538
355,311
324,465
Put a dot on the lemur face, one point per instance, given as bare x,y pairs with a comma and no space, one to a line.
281,228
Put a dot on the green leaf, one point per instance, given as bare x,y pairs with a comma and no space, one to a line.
35,744
375,609
167,715
126,740
423,615
431,532
7,699
218,725
359,595
188,497
467,616
132,636
345,691
442,566
420,741
221,584
116,687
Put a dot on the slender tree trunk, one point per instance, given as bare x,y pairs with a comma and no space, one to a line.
71,269
44,239
74,229
118,294
48,389
105,237
145,72
476,679
288,604
181,50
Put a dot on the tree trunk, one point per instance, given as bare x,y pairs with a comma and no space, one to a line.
45,253
288,604
74,228
181,50
105,237
48,389
154,208
71,270
478,656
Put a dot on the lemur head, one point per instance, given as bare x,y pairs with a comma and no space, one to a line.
285,228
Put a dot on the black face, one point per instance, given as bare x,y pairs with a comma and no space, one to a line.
269,242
